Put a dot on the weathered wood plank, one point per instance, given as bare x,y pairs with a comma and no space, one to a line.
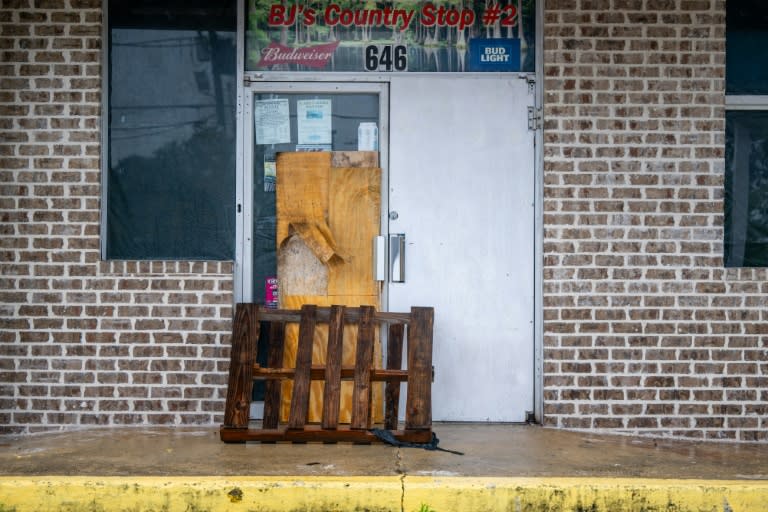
355,159
418,410
300,272
318,373
394,362
242,358
362,391
301,381
313,433
332,376
351,315
272,387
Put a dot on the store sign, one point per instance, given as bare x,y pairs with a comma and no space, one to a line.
356,35
312,56
494,55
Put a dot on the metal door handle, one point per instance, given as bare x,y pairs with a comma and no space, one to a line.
379,258
397,258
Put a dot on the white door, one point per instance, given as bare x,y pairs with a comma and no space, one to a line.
461,189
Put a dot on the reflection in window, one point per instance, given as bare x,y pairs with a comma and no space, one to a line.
746,189
171,138
747,47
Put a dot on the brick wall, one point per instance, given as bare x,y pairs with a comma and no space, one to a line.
84,342
645,331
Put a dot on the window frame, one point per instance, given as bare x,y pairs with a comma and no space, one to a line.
736,103
106,149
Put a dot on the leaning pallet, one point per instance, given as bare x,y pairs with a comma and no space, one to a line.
412,330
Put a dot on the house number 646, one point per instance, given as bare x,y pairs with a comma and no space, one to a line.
386,57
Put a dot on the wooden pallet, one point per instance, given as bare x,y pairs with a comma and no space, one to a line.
244,370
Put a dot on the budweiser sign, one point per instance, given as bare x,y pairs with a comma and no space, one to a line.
311,56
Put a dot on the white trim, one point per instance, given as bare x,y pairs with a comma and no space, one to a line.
238,292
346,77
746,102
311,87
384,164
104,128
244,239
538,300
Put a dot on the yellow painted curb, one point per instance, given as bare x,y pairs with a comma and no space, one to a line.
583,495
377,494
198,494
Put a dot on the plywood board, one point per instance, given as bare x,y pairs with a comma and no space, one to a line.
354,212
302,201
300,271
355,159
327,218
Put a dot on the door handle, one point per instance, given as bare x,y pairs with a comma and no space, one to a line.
397,258
379,258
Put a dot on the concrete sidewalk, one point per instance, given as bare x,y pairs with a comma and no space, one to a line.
504,467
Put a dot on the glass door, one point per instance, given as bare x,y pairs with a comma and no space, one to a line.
313,197
288,122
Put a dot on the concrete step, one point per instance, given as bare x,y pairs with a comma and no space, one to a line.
504,468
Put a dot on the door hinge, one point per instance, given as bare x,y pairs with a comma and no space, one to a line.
535,118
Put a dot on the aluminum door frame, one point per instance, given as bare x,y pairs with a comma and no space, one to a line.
244,248
378,83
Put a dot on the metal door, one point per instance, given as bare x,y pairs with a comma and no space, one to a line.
461,190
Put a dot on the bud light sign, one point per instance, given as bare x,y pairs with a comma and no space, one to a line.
494,55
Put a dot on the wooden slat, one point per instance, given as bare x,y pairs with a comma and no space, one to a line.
300,398
314,433
243,355
332,374
351,316
318,373
272,387
361,394
394,362
418,410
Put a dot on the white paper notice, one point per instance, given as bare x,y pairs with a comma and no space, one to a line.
314,121
273,124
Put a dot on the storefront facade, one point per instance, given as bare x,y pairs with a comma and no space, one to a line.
564,217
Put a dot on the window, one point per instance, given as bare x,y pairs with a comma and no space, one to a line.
746,151
170,162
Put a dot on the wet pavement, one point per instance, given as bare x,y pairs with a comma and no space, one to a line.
489,451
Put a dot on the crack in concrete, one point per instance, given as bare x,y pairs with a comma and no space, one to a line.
401,470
